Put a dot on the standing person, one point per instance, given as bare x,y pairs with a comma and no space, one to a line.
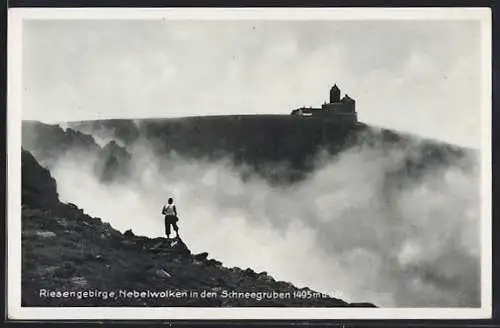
170,212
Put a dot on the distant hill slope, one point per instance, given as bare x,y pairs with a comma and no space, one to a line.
259,141
70,259
255,138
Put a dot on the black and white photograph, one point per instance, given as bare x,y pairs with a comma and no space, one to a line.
249,163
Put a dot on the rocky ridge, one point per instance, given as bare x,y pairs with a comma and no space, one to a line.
280,148
50,143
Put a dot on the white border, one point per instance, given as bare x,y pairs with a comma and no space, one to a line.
15,18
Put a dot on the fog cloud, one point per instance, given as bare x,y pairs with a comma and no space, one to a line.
346,229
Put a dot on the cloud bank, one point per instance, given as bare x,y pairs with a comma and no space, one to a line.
348,230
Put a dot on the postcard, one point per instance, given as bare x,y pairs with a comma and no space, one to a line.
249,163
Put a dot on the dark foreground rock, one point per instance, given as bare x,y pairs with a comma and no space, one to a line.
72,259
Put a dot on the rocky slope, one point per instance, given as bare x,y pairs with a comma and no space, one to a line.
72,259
49,143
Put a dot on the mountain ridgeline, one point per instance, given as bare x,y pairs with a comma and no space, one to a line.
281,148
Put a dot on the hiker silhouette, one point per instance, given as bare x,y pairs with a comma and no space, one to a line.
171,218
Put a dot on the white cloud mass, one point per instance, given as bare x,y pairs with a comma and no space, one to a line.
346,230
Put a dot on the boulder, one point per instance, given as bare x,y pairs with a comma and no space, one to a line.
162,273
201,256
45,234
214,263
79,281
129,233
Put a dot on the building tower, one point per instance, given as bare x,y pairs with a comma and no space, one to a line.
349,104
334,94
